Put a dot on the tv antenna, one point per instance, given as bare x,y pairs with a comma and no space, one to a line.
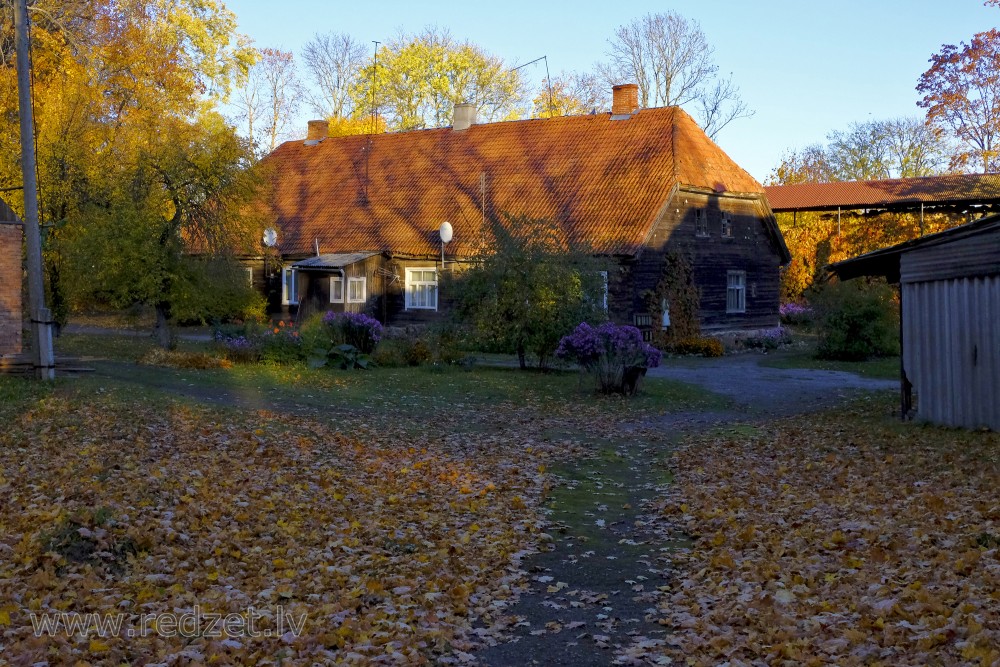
548,80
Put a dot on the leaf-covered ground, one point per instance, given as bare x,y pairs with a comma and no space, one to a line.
389,545
845,539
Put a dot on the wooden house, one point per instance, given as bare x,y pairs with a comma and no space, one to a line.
950,303
358,217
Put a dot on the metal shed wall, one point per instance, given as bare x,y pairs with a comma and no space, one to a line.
951,348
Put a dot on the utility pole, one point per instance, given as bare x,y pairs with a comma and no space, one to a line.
41,325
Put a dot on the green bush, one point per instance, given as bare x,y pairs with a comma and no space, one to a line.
701,346
857,320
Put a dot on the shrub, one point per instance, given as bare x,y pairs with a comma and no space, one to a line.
857,320
362,331
343,356
277,342
699,347
796,313
157,356
616,355
769,339
281,344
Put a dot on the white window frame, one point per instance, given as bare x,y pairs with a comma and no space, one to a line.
289,297
727,227
339,281
363,281
604,290
700,223
412,284
736,292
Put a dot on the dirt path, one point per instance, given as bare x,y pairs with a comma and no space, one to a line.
593,596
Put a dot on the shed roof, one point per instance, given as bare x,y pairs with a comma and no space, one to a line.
604,181
885,262
332,260
897,194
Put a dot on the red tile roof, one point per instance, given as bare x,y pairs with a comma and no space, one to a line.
604,180
899,193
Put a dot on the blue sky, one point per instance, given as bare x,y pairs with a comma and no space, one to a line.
807,68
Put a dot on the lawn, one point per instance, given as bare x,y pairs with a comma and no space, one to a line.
850,539
387,510
802,354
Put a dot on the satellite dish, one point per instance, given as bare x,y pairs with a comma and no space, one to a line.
270,237
446,232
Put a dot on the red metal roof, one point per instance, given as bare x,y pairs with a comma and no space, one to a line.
605,181
891,193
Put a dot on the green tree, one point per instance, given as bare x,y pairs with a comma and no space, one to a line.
418,80
529,287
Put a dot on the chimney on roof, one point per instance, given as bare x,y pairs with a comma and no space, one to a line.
318,131
465,117
624,100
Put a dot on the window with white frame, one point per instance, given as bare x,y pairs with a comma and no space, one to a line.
336,289
249,270
421,288
727,226
357,290
289,286
736,292
700,223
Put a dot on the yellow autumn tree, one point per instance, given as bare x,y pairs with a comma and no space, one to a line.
136,169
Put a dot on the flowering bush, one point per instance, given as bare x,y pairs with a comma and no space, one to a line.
615,354
277,342
362,331
768,339
699,346
795,313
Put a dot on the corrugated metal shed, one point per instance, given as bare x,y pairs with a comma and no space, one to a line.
950,296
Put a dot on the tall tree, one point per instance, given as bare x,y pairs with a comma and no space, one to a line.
269,99
670,59
529,287
961,92
333,62
418,80
572,94
124,91
871,150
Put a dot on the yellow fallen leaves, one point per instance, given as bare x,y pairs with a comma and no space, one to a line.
390,548
850,540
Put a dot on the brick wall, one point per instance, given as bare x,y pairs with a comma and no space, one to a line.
10,289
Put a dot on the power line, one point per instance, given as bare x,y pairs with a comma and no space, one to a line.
548,80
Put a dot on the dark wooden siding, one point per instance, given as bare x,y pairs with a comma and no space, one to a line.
385,280
750,250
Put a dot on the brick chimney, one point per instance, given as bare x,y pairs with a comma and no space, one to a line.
624,100
318,131
465,117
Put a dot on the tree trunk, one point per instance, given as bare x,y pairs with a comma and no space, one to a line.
520,358
161,331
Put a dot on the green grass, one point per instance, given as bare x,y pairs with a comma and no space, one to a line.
803,355
18,393
886,368
414,391
117,347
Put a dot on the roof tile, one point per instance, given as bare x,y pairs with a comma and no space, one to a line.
603,180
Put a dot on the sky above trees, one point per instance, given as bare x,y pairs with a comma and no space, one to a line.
806,69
